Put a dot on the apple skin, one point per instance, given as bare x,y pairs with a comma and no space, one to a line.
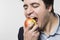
29,21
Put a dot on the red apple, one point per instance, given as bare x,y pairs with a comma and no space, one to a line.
29,21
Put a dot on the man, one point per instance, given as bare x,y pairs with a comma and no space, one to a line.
47,21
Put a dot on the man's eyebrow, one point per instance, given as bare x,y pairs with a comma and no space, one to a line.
31,4
24,5
34,3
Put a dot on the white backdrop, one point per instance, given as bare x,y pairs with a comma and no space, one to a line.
12,18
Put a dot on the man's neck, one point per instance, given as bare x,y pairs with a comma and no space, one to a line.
51,25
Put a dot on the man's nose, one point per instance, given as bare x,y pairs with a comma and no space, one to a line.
29,11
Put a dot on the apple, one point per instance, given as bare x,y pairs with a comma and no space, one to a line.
29,21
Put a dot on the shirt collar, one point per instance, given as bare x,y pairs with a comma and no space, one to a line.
57,28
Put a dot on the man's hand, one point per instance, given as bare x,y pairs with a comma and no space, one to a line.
30,33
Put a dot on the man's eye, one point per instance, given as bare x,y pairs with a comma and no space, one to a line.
35,6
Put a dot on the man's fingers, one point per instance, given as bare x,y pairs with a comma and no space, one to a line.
35,33
34,28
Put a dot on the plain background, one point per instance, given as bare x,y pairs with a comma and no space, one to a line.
12,18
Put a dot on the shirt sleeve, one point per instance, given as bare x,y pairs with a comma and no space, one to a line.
20,34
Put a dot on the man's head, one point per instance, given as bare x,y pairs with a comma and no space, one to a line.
40,10
48,3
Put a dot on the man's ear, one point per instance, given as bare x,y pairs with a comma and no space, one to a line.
50,8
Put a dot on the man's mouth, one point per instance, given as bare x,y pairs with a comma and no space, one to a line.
36,19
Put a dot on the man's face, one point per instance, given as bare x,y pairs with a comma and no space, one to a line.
36,9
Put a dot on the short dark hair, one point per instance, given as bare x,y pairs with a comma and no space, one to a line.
49,3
